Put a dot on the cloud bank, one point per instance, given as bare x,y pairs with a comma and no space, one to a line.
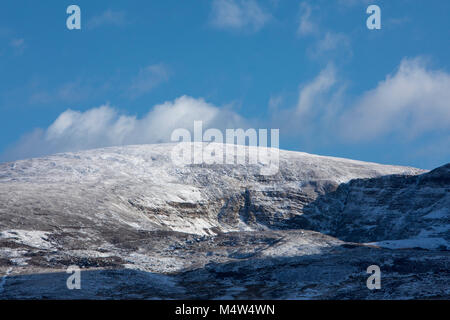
411,102
105,126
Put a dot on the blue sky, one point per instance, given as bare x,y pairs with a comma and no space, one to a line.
138,69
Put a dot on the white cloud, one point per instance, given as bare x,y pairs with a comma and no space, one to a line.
239,15
275,101
104,126
311,93
411,104
108,17
413,101
332,44
148,78
306,25
326,45
317,105
331,41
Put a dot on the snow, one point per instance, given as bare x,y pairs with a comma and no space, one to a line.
295,246
37,239
133,208
154,162
140,186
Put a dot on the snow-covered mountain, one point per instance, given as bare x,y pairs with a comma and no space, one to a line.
134,220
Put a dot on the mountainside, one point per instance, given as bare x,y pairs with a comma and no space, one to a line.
397,211
142,227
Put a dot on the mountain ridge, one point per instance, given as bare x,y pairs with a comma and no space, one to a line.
131,208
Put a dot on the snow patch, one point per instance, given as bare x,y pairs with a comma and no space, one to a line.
36,239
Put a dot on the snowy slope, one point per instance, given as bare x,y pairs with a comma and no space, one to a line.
141,187
132,208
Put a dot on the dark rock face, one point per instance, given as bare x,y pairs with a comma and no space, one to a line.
140,227
391,207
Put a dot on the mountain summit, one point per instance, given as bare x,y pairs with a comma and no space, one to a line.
156,228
